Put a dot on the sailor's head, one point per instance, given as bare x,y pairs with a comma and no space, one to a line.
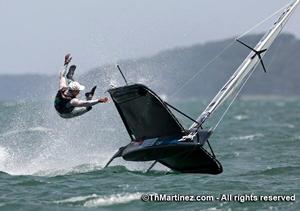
75,87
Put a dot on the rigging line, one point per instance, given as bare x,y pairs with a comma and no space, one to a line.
190,118
240,89
222,51
202,69
234,98
212,152
260,23
272,55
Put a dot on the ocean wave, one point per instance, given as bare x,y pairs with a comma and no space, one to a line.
247,137
284,125
288,125
88,169
241,117
95,169
94,200
113,199
76,199
280,104
297,137
33,129
57,172
81,169
289,170
30,182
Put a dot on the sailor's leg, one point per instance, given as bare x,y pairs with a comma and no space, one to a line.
70,74
80,111
76,112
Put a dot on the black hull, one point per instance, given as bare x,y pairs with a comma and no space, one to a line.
197,160
155,133
181,157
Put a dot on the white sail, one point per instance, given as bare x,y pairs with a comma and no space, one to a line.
248,64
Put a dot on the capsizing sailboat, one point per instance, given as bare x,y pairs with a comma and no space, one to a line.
156,134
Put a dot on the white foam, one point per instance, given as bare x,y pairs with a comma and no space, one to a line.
297,137
94,200
41,129
76,199
288,125
113,199
241,117
248,137
33,129
213,209
236,154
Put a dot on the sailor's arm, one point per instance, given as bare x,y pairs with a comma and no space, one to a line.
87,103
62,78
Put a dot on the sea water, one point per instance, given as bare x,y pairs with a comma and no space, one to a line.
49,163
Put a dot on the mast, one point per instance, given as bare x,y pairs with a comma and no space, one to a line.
251,61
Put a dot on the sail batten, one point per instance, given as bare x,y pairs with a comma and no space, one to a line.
248,64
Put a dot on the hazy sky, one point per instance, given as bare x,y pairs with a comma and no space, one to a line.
35,34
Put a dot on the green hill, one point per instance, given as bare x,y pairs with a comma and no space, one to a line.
167,71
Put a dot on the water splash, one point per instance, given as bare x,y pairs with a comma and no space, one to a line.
4,155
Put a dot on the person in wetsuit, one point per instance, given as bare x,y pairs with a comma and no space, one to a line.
66,102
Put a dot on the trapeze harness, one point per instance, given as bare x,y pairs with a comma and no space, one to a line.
61,104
